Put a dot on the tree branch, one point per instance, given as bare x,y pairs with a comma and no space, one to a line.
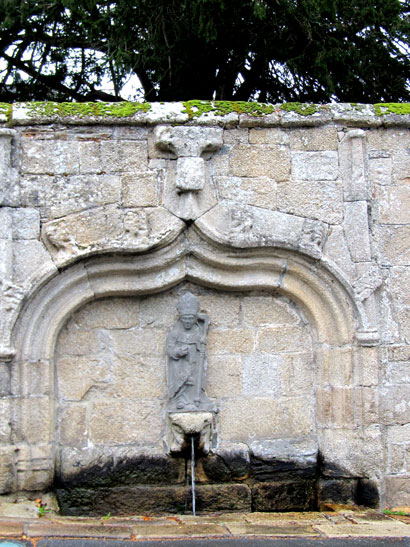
58,86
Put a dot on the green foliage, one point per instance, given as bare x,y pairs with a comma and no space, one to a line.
293,51
399,513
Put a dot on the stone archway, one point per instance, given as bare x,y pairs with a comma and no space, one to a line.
345,425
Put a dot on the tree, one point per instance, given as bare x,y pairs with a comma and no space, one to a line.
266,50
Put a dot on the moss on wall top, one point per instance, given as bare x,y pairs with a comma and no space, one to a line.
229,113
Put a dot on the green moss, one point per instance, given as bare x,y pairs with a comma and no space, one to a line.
7,110
81,110
194,109
382,109
304,109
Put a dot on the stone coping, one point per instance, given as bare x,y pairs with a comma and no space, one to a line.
205,113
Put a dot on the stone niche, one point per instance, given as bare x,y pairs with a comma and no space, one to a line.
111,401
290,230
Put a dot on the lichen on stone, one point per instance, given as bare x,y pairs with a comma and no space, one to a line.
382,109
304,109
195,109
7,110
98,109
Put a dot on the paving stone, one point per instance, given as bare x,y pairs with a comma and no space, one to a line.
282,530
11,528
75,529
375,529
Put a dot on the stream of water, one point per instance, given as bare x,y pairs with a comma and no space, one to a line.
193,473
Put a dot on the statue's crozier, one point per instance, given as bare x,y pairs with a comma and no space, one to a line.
186,345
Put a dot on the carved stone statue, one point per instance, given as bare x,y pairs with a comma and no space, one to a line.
186,344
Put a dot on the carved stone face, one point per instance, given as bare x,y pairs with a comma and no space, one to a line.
133,222
188,321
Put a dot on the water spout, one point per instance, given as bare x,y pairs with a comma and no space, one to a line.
193,473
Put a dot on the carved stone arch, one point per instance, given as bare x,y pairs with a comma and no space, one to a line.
325,300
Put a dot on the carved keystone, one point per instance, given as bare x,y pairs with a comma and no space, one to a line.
187,192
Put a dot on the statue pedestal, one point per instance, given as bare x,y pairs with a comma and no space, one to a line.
182,425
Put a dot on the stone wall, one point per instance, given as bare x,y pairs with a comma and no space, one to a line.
292,230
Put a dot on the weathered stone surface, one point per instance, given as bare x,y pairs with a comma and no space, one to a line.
380,170
394,243
325,199
51,157
268,310
140,190
284,496
129,500
4,380
187,205
130,467
314,139
185,141
32,422
268,136
302,219
215,469
31,262
335,366
394,204
184,425
240,419
109,313
73,426
230,341
235,136
109,228
337,251
262,375
233,497
30,378
388,139
342,456
395,404
281,338
224,374
143,422
26,223
257,191
283,459
260,161
397,490
298,373
124,500
5,420
6,468
252,227
356,228
401,167
235,457
338,491
57,196
315,166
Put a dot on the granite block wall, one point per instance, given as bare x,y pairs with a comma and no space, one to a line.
294,233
